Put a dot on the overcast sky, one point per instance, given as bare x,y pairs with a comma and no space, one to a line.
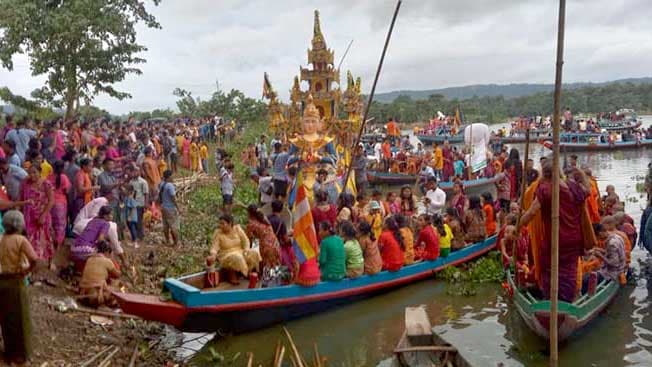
436,43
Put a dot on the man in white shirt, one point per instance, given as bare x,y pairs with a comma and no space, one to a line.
435,199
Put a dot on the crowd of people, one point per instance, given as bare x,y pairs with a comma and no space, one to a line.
376,231
82,191
91,188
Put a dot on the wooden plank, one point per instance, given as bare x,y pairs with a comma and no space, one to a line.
426,348
417,326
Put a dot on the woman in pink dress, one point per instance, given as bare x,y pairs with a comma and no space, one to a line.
61,186
38,221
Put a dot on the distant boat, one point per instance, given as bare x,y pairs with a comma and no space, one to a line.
586,142
388,178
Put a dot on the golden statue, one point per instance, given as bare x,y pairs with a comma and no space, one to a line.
312,150
277,122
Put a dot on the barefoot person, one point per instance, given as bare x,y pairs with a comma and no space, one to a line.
169,209
14,312
98,272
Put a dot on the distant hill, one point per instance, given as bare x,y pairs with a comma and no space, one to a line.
493,90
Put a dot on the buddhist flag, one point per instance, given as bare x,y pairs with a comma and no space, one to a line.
458,118
267,87
304,238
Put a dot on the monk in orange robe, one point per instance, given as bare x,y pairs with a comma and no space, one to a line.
593,201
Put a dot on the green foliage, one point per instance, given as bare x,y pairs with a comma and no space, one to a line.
487,269
83,47
218,359
167,114
494,109
233,105
88,112
27,107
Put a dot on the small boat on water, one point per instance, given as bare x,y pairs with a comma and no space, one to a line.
571,317
586,142
420,346
238,309
388,178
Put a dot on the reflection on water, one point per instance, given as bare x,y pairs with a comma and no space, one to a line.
365,333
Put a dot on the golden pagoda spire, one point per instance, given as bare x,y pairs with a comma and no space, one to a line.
318,41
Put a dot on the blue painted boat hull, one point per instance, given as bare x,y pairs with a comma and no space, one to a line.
239,311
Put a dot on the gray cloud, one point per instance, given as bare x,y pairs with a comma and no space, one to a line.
437,43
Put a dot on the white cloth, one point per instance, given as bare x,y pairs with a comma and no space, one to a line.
90,211
437,201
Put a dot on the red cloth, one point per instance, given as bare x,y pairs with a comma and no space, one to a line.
428,240
387,150
390,251
571,243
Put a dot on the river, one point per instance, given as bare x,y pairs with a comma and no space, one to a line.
364,333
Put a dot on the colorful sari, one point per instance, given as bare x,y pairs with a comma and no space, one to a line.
59,211
268,244
185,150
39,234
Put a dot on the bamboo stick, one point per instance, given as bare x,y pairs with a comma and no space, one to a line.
522,195
250,360
134,356
279,361
107,361
373,90
554,274
106,313
294,347
317,358
96,356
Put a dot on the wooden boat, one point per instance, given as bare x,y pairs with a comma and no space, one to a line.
388,178
420,346
194,308
586,142
571,317
430,139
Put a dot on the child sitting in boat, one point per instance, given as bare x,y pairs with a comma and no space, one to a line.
612,257
510,239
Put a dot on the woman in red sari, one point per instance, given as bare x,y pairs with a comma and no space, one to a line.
39,196
572,194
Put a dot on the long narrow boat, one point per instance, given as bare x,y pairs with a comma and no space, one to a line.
388,178
238,310
571,317
589,146
430,139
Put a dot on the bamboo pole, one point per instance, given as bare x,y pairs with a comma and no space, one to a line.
373,89
554,274
522,195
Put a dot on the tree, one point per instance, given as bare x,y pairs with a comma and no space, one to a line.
82,46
